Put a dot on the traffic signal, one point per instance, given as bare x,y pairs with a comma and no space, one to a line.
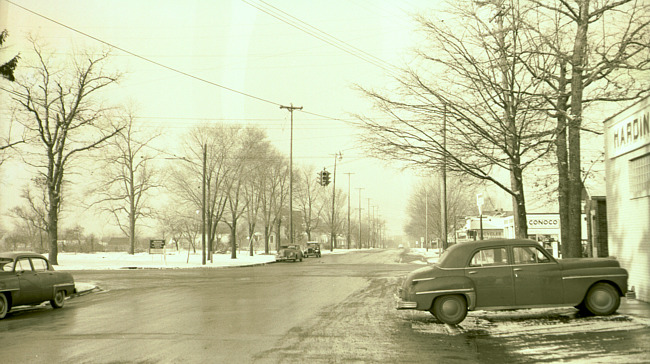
320,178
326,178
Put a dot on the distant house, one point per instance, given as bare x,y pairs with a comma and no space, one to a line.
117,244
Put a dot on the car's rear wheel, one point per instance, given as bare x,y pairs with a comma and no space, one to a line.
450,309
4,306
59,299
602,299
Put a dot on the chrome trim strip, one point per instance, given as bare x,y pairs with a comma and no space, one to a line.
596,276
423,279
446,291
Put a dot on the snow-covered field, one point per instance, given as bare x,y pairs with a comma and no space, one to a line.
172,259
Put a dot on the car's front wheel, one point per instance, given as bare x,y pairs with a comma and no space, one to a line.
59,299
4,306
602,299
450,309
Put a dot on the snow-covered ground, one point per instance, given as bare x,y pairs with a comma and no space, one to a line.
169,260
172,259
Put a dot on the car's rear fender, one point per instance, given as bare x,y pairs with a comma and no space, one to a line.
426,290
68,288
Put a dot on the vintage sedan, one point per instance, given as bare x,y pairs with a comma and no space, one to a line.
511,274
29,279
312,250
289,252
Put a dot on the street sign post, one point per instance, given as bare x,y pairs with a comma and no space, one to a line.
479,203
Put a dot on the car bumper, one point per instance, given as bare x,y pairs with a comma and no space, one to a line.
406,305
278,259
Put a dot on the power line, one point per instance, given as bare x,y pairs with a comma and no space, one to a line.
355,51
321,35
145,58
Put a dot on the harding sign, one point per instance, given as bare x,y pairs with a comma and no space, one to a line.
631,131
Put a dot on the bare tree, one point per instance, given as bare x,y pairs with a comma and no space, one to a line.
274,177
336,221
260,151
424,206
470,109
251,142
33,216
310,196
587,52
60,111
128,178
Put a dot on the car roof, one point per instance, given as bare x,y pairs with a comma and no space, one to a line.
14,255
458,254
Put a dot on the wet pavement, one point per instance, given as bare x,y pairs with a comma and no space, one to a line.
337,309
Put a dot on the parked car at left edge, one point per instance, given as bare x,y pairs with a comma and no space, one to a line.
29,279
289,252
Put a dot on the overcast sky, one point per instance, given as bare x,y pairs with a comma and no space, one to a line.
254,48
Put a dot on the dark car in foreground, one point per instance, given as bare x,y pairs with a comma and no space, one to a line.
29,279
511,274
290,252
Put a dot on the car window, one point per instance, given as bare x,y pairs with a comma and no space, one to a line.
529,255
489,257
6,265
40,265
23,265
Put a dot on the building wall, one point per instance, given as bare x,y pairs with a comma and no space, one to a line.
627,142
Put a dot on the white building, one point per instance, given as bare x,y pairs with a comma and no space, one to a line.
627,164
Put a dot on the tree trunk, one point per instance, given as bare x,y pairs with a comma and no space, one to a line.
251,234
574,248
233,240
562,162
519,202
52,232
278,242
267,237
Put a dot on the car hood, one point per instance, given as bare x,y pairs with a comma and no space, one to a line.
573,263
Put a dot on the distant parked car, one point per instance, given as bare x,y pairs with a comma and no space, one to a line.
511,274
290,252
313,249
29,279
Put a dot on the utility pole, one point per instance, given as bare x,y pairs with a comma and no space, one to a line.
426,217
369,227
377,227
359,242
205,156
443,185
349,174
291,108
333,235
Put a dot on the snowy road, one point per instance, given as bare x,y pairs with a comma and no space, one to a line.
339,308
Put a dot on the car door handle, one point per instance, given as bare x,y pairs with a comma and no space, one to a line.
472,272
517,269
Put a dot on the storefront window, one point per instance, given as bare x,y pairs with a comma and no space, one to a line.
640,176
